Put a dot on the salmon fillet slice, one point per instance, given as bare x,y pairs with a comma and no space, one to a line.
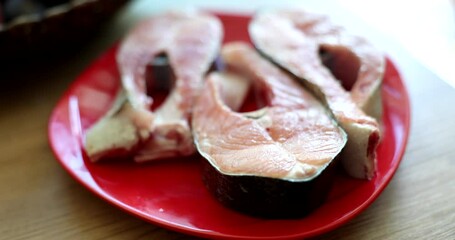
191,41
293,41
275,162
292,138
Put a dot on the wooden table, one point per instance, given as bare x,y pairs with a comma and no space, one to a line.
39,200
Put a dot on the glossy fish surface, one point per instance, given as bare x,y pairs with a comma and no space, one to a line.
293,137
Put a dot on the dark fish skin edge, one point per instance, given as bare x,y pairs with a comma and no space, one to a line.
269,198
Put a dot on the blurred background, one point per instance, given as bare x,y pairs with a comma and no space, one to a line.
424,29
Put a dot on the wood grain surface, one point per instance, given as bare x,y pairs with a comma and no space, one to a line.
39,200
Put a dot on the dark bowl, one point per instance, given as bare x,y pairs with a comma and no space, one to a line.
57,28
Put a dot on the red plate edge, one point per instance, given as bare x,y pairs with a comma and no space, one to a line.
398,154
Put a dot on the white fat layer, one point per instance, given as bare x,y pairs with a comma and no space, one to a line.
111,133
121,128
167,112
353,160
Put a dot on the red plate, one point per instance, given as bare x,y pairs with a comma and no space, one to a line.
171,193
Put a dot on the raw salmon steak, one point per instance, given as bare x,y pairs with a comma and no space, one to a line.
190,41
294,39
287,144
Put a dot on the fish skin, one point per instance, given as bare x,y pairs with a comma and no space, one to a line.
276,34
292,138
191,40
